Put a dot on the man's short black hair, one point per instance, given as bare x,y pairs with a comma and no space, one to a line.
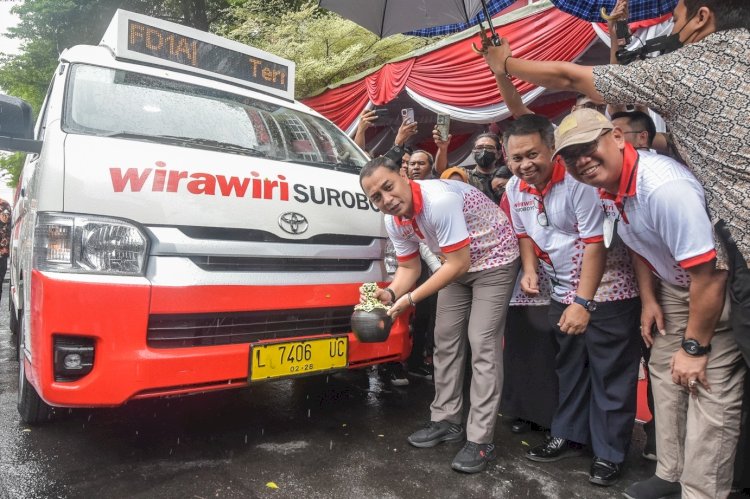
639,120
376,163
530,124
730,14
430,159
489,135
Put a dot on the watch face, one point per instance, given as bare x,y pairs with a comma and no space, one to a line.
591,306
692,347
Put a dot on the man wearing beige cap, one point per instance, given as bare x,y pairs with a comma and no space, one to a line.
594,302
657,207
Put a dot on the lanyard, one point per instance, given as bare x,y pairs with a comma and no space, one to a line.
620,199
609,226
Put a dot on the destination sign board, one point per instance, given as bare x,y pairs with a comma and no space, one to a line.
142,38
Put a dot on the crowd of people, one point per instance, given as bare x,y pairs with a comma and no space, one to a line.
569,253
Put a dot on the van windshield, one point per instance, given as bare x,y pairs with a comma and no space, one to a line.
116,103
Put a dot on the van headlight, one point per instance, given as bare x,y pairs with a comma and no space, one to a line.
389,258
88,244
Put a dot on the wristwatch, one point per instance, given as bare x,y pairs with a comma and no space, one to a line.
694,348
589,305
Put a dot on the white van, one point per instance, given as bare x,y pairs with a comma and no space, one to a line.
183,225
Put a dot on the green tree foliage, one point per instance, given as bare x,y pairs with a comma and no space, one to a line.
11,166
325,47
47,27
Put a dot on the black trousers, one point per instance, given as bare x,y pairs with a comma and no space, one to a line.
529,351
597,372
739,294
3,269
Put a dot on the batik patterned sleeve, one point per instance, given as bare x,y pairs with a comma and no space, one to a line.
658,83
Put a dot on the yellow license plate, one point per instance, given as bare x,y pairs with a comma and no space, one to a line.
295,358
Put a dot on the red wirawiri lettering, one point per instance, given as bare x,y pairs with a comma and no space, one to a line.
132,177
233,184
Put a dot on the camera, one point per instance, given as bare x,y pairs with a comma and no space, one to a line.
662,44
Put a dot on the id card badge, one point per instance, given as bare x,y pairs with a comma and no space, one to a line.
609,229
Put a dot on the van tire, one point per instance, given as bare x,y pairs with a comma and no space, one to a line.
33,410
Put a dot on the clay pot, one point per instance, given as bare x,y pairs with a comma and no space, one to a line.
371,327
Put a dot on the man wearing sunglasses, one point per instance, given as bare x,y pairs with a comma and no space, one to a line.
594,308
658,209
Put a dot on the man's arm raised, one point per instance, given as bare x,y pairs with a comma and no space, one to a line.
555,75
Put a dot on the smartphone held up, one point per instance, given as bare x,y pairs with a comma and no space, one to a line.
443,125
407,115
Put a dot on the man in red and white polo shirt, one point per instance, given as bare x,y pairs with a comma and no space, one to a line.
656,206
594,306
474,283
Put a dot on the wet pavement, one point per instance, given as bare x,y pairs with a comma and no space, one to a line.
335,436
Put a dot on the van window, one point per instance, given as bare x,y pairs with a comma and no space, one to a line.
109,102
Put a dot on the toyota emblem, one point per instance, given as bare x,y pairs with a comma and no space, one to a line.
293,223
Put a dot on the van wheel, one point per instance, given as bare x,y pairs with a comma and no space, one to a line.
33,410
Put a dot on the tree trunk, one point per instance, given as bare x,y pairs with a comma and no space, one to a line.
195,13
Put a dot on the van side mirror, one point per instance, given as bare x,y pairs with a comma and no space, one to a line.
17,126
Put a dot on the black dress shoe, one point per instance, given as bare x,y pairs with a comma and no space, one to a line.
554,449
604,472
520,426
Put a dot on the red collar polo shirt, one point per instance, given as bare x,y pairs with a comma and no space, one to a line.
560,220
450,215
660,214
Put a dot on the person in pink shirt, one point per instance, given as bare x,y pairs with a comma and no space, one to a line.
474,286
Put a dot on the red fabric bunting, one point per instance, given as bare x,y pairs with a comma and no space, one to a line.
454,74
341,105
457,76
384,85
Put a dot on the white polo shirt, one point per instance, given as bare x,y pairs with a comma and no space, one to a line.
450,215
661,215
573,219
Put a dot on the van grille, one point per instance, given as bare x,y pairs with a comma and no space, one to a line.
252,264
255,235
194,330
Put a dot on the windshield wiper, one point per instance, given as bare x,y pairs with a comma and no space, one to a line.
209,143
340,167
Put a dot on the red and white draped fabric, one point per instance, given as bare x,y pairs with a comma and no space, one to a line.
452,78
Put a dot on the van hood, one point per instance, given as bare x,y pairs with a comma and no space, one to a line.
158,184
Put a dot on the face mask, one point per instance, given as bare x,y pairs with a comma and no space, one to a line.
484,158
670,43
661,44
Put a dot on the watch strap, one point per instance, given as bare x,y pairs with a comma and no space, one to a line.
589,305
694,348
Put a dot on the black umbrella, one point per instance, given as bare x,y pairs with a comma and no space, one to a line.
389,17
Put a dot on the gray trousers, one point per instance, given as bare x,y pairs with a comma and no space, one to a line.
696,438
472,308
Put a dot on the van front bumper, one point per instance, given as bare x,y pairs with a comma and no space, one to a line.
115,313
